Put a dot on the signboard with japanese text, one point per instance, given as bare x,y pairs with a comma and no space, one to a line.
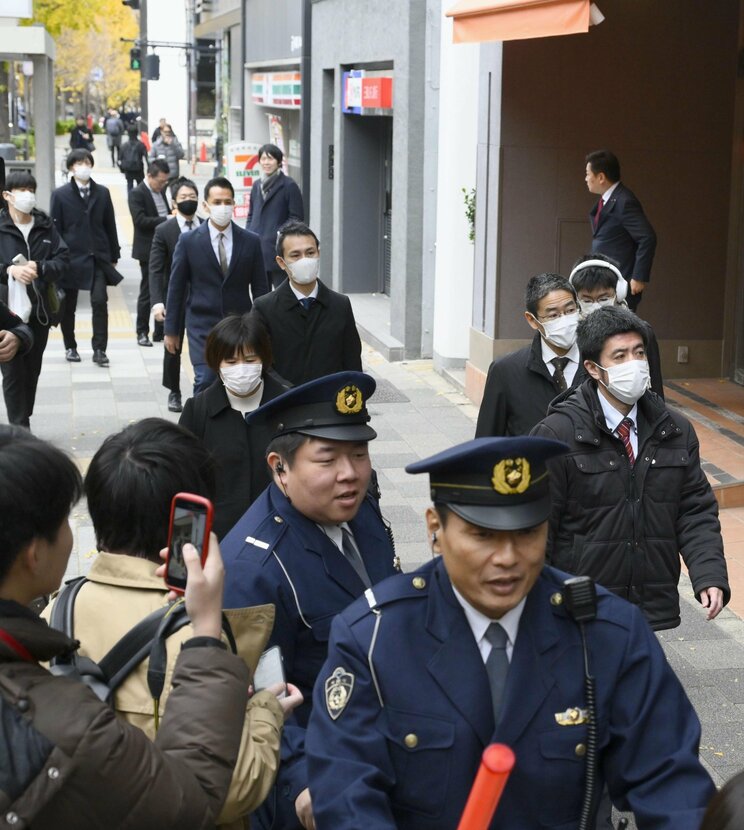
366,93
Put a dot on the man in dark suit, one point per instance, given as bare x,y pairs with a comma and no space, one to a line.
620,228
84,215
149,207
312,328
274,199
521,385
215,270
185,199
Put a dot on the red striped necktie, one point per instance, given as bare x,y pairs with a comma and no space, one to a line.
600,205
623,430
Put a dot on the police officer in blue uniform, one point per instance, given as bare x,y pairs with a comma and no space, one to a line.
311,544
487,644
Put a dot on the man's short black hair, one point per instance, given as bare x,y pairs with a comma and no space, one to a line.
76,156
287,446
595,329
271,150
594,276
180,182
39,484
540,286
132,479
218,181
293,227
235,332
157,166
18,179
603,161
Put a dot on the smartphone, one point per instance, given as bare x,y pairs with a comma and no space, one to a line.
270,671
190,521
19,259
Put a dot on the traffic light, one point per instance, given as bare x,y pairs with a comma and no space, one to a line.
151,72
135,58
133,4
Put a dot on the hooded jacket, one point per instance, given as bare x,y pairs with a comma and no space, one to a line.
626,526
69,761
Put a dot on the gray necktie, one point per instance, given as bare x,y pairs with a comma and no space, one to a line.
223,255
497,666
355,558
86,193
189,225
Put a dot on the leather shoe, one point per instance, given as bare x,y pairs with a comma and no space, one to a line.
99,357
72,356
143,340
174,402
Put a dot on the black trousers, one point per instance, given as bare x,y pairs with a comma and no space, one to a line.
633,300
133,179
172,365
21,376
99,314
143,304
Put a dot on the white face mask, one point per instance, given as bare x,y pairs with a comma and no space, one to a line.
305,270
241,378
562,332
627,381
81,172
24,201
588,306
221,214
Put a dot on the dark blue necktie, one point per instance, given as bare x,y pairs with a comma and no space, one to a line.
307,302
497,666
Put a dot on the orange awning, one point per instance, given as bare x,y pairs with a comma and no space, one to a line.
479,20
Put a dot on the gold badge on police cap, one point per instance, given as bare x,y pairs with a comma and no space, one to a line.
338,689
349,400
511,476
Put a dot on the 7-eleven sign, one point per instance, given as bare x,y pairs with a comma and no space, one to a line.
243,171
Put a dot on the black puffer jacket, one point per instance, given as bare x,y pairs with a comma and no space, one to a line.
624,526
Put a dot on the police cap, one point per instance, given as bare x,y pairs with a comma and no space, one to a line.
332,407
498,483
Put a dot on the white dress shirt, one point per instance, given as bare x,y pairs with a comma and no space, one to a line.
300,296
214,235
606,195
479,625
569,373
614,416
182,220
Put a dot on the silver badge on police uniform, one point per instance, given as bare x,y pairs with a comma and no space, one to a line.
338,689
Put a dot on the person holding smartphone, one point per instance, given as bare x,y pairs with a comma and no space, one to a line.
137,472
68,760
32,256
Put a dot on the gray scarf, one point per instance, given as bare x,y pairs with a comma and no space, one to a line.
268,182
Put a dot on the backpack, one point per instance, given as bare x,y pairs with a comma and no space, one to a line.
147,638
130,159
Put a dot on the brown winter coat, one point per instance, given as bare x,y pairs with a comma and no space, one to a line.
68,761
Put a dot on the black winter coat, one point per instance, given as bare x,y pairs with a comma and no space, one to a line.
45,247
239,450
267,215
626,526
89,231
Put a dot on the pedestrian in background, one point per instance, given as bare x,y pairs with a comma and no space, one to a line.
84,216
29,233
81,138
114,128
218,269
238,351
148,206
185,201
168,148
312,328
275,198
620,228
132,158
158,130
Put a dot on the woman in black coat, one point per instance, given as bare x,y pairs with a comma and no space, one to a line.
30,234
238,350
274,199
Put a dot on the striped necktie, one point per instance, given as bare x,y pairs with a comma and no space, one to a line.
623,431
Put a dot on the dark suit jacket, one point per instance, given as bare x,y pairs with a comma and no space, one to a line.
198,284
314,343
145,219
625,234
265,217
89,231
239,450
519,389
164,242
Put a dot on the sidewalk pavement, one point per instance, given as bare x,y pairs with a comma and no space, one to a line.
416,412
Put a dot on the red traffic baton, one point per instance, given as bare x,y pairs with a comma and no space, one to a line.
496,765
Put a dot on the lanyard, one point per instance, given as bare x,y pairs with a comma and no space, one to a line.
17,647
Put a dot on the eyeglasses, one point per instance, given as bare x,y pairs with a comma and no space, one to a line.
556,315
